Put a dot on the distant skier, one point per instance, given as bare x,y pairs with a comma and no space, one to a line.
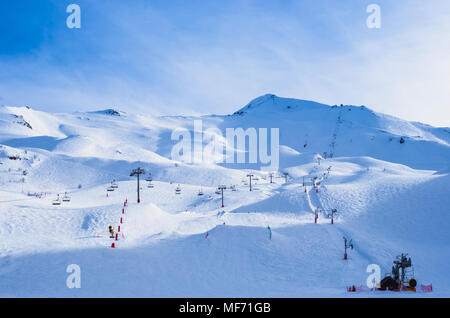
111,231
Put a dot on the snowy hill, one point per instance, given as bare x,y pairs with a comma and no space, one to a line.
387,178
348,131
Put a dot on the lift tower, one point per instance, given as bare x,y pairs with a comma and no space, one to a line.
221,188
137,172
250,176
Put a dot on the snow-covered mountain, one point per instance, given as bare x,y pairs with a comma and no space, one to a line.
388,179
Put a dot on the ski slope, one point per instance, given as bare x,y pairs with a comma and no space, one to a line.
391,198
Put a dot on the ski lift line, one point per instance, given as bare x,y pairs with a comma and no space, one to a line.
335,133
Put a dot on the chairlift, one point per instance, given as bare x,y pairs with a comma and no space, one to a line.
178,190
149,178
109,189
114,185
218,191
233,188
57,201
150,185
200,192
66,198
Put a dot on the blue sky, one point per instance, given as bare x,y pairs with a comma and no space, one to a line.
208,56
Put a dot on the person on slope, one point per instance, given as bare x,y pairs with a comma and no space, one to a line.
111,231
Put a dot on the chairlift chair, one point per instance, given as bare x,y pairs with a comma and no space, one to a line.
57,201
178,190
66,198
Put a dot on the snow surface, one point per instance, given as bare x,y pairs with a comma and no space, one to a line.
391,198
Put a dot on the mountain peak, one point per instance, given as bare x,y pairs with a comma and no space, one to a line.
274,103
109,111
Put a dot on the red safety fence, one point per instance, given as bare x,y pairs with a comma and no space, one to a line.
361,288
426,288
121,222
356,289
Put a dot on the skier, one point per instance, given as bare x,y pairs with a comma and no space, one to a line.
111,230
